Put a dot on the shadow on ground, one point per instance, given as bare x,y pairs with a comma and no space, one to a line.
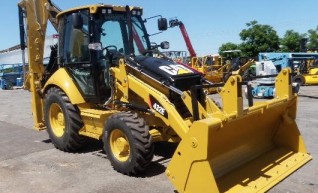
162,150
308,96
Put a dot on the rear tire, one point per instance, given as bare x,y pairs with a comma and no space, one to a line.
299,79
63,121
128,143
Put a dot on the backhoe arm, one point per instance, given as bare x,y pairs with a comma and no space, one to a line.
243,68
37,13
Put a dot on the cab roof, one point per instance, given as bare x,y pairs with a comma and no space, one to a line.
93,8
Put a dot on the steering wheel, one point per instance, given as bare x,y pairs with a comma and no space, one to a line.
109,51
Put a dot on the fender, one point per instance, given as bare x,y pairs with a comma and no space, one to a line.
63,80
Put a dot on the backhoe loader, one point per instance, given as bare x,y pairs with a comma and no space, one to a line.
103,82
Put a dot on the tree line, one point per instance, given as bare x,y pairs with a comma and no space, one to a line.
258,38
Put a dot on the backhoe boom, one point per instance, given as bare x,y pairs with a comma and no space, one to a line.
37,13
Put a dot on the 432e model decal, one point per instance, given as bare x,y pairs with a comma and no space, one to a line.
158,107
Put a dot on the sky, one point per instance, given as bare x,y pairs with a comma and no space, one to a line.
209,23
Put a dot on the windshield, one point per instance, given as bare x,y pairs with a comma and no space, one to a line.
113,32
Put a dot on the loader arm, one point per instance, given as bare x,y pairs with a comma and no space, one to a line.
37,13
243,68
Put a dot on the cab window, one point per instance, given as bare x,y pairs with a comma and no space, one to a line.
74,41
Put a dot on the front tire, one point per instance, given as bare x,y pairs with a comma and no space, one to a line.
128,143
299,79
63,121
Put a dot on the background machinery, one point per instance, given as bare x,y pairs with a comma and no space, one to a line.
209,65
216,69
176,22
12,71
11,75
103,83
264,85
177,56
303,65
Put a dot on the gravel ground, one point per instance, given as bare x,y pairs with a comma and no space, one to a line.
30,163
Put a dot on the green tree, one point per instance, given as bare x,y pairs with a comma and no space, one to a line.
228,46
258,38
313,39
291,41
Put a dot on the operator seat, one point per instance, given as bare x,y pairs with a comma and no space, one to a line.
80,52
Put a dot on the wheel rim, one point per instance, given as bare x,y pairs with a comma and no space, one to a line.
57,120
119,145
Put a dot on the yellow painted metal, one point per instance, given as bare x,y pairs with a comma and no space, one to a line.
119,145
133,84
244,67
213,73
57,121
313,71
63,80
94,121
94,8
38,13
311,77
231,95
37,23
156,135
247,150
186,97
121,76
283,85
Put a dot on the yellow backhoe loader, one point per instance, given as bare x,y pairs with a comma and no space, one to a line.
103,82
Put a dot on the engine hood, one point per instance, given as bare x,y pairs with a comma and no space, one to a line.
168,72
164,68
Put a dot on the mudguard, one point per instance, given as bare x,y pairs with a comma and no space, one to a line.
64,81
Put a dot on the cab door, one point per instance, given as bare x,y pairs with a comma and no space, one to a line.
74,53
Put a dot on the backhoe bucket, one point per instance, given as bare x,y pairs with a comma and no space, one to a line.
241,150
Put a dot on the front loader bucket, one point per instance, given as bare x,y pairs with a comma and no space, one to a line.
239,150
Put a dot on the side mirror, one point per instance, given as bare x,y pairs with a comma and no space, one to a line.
77,20
165,45
162,24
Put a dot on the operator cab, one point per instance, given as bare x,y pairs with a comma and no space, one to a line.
92,38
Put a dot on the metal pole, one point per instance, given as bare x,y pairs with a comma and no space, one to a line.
22,41
23,67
